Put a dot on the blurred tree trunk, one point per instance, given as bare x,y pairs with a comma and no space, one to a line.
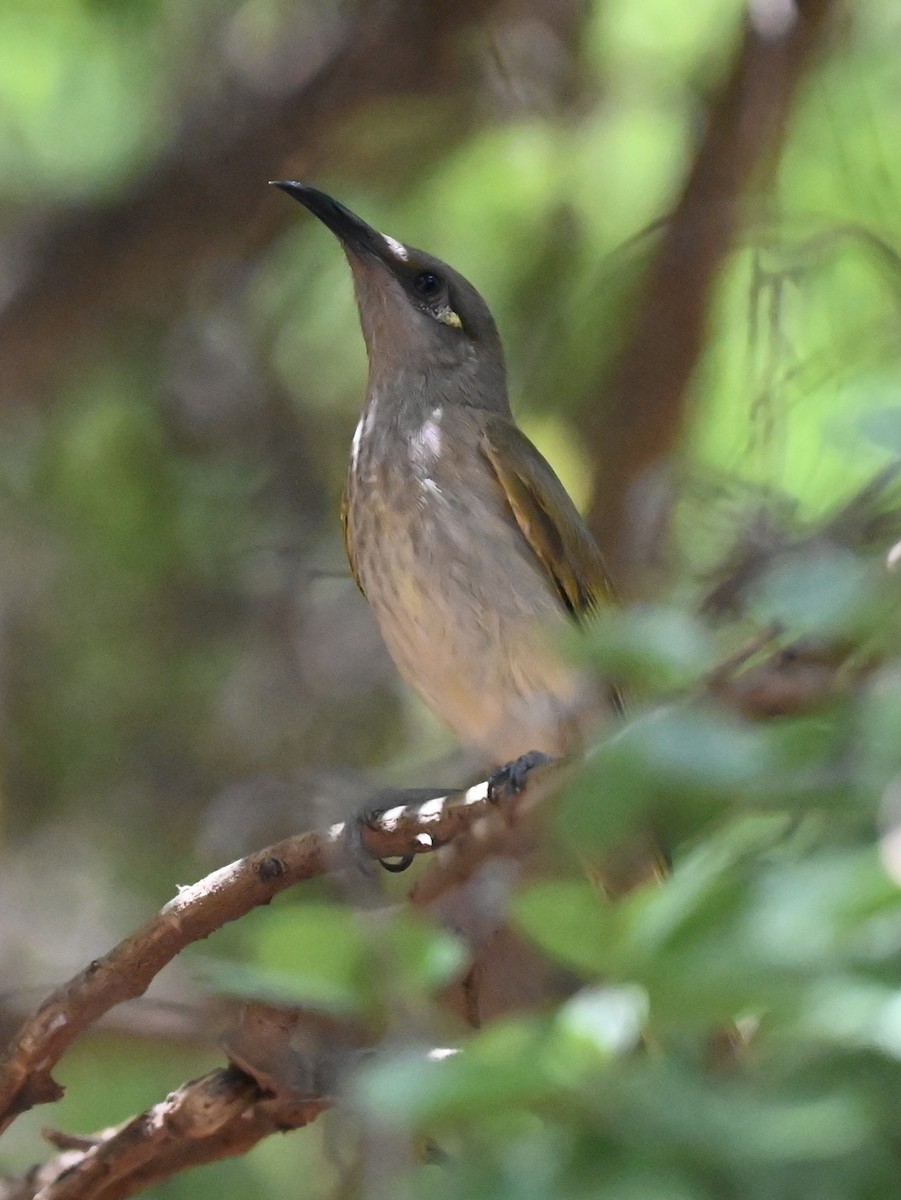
637,425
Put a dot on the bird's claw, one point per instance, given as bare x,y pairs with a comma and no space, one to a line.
512,778
369,818
398,865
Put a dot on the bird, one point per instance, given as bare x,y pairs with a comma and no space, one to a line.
468,548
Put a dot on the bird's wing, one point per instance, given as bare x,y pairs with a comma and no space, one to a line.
348,549
547,517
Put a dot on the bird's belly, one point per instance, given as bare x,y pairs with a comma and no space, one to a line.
470,621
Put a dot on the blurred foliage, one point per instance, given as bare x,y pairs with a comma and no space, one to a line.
187,673
782,913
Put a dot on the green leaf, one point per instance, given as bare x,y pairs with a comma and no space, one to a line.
600,1023
320,952
326,956
823,593
420,957
744,1127
679,759
570,920
700,883
654,646
883,426
503,1066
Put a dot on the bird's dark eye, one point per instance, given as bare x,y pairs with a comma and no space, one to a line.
427,285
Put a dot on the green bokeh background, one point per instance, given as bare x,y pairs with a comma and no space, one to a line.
187,672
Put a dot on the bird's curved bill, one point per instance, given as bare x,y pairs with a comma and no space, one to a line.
350,229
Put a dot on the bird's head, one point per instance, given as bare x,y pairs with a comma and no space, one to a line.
419,316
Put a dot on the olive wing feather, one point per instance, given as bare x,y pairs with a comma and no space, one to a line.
547,518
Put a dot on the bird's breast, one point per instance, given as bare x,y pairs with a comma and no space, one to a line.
462,604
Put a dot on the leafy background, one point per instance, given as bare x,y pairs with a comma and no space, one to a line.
187,672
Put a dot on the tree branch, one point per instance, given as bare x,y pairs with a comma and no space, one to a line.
221,1115
402,829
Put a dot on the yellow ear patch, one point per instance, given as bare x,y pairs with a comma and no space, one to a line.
449,317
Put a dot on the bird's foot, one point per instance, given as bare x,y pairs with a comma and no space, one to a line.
397,865
370,816
512,778
369,819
